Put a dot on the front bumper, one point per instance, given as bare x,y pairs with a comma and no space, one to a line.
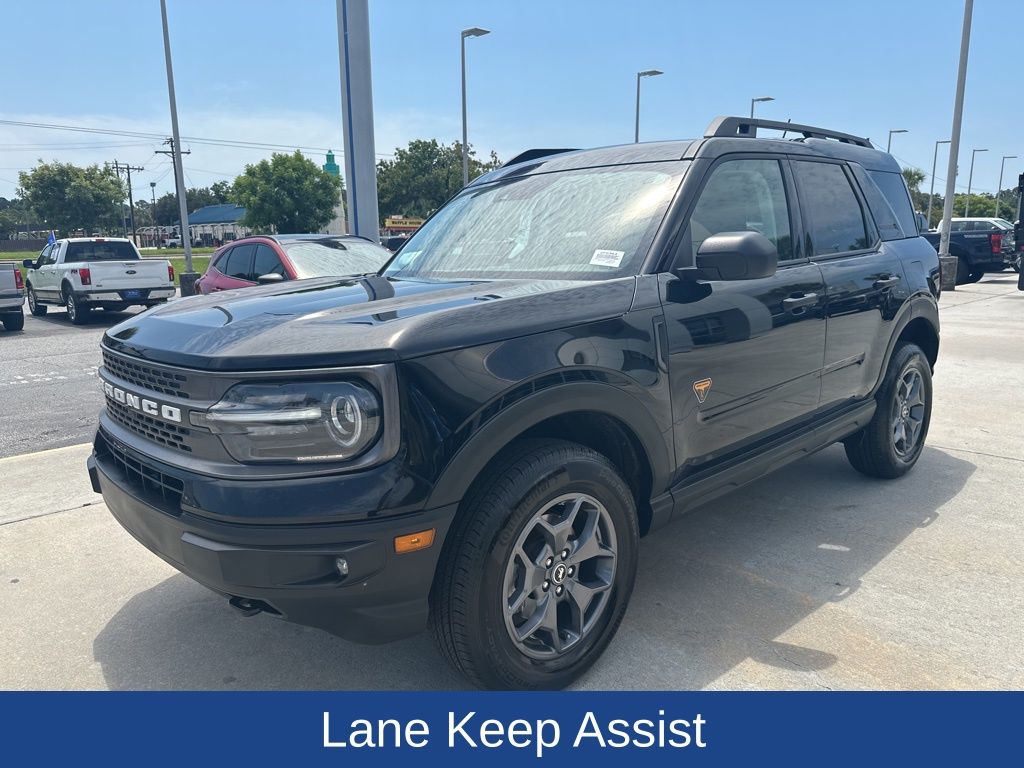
286,570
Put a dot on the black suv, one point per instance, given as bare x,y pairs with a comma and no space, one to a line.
576,349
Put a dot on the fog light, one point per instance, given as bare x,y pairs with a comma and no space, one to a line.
342,565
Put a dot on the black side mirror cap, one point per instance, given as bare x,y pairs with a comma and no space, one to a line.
736,256
28,264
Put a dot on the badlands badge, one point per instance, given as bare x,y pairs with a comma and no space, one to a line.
701,389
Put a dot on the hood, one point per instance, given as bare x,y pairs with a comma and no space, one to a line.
357,321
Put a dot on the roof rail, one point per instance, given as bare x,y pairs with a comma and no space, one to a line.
746,127
534,154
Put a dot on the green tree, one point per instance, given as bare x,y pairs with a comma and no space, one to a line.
196,197
423,175
287,193
68,197
14,215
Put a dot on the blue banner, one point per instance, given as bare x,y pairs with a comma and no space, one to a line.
356,729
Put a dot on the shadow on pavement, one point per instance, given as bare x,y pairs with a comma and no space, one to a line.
58,318
713,589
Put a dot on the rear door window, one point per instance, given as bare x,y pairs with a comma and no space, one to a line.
266,262
894,187
836,220
239,263
889,225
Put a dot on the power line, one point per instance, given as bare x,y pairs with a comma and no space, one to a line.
238,143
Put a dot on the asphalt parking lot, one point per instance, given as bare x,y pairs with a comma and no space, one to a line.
813,578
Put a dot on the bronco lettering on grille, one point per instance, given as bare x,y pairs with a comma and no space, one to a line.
142,404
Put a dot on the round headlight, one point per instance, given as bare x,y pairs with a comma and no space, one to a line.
346,420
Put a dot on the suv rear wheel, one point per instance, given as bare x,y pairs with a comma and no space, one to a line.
539,569
891,443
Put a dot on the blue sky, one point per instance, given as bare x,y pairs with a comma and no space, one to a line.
554,73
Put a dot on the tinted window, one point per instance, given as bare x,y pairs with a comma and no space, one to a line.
106,251
267,262
959,226
742,195
333,257
239,263
836,220
889,227
894,187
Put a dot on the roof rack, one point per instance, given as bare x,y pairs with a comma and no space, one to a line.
534,154
745,127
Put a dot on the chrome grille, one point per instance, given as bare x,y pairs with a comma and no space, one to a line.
146,376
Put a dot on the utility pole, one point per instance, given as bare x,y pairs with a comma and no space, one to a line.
187,280
177,188
156,228
948,263
128,168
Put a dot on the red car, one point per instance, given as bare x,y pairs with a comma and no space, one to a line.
273,258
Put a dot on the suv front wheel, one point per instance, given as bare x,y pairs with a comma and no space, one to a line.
891,443
538,568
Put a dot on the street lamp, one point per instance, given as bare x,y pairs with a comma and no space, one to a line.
152,189
1000,187
645,73
888,146
931,193
757,100
471,32
970,178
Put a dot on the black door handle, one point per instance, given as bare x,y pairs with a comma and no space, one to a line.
794,303
886,282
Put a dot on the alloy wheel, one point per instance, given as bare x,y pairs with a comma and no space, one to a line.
559,576
908,410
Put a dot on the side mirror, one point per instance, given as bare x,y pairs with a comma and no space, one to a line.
273,277
736,256
28,264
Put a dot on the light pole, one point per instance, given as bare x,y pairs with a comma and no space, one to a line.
948,264
645,73
888,145
187,279
471,32
1000,187
757,100
931,193
156,230
970,179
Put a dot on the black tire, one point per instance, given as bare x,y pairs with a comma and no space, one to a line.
14,322
963,271
34,306
78,310
468,602
875,451
975,276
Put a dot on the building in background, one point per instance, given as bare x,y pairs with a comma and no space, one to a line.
214,225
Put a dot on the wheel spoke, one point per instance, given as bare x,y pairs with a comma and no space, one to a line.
583,594
899,433
537,620
916,396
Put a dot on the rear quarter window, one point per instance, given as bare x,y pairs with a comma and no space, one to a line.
894,187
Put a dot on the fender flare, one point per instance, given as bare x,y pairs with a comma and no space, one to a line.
920,306
505,426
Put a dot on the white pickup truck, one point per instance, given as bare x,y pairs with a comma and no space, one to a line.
12,296
86,273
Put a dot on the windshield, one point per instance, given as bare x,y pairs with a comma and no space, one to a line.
1003,223
101,251
325,258
588,224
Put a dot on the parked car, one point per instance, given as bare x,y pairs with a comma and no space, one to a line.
273,259
572,352
12,296
86,273
981,245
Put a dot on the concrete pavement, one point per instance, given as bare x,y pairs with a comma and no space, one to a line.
813,578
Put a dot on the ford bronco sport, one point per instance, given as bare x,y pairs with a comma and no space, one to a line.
577,348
